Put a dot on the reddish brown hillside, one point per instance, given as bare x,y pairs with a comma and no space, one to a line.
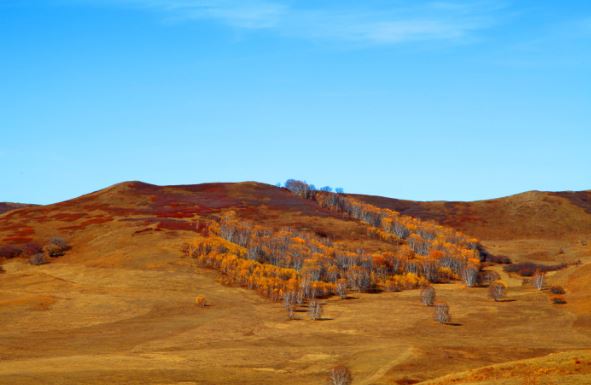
533,214
129,222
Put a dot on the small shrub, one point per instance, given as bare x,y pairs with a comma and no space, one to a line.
497,290
486,277
340,375
56,247
428,295
60,242
200,301
557,290
558,300
442,313
2,269
37,259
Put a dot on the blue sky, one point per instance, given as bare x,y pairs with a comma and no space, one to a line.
410,99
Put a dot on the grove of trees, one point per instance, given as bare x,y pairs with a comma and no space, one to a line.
298,266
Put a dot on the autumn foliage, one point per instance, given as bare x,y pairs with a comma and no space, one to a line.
296,266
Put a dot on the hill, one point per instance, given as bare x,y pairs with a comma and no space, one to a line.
536,225
119,307
8,206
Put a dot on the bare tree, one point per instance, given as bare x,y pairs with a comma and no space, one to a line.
442,313
497,290
538,279
470,275
315,310
298,187
340,375
289,301
342,288
428,295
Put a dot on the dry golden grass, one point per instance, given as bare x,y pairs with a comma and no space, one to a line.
109,325
566,368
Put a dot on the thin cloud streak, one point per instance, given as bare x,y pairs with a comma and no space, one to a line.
432,21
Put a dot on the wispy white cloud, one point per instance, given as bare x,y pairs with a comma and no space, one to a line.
365,22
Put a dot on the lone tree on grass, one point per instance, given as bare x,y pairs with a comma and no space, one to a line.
315,310
340,375
442,313
497,290
428,295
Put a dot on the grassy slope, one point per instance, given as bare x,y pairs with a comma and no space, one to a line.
118,307
567,368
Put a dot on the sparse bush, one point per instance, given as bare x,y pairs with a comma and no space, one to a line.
37,259
559,290
428,295
340,375
56,247
497,290
2,269
558,300
315,310
200,301
442,313
60,242
486,277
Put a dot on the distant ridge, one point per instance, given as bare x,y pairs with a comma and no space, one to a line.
9,206
532,214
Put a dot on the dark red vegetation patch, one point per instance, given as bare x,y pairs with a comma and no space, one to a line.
176,225
528,269
67,217
9,251
146,230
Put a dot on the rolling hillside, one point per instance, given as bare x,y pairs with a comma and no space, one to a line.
535,225
119,306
